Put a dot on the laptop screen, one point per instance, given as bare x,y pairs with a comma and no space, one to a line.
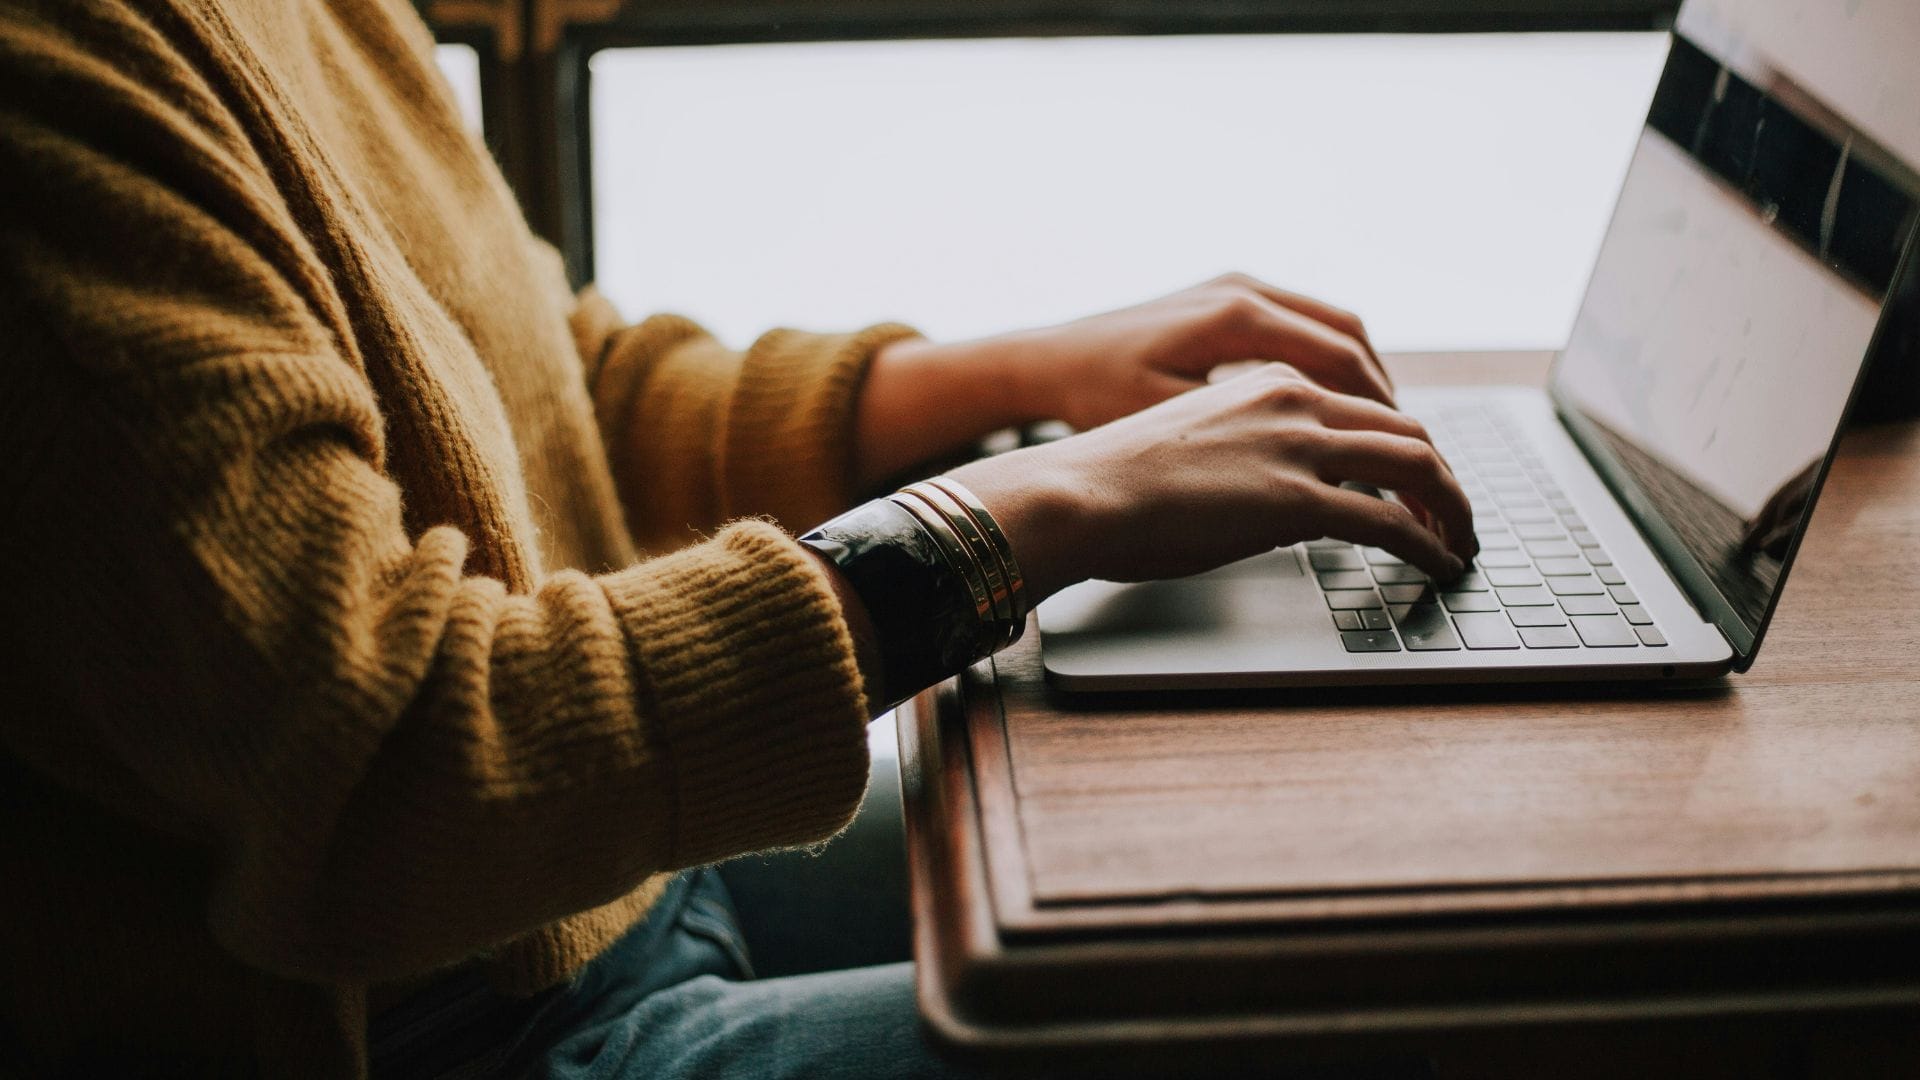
1734,301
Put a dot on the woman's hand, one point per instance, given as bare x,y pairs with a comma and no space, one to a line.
1099,369
924,399
1226,472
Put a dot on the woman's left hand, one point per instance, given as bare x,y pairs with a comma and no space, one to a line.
923,399
1099,369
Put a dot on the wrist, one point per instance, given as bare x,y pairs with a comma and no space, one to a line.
1019,370
866,646
925,400
1047,518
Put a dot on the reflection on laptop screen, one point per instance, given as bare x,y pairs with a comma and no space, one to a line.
1733,303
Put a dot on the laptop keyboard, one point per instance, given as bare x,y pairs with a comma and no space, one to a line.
1542,581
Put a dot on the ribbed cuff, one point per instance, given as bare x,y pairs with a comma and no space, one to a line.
744,660
790,426
594,321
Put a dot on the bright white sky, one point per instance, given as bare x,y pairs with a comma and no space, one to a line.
1452,189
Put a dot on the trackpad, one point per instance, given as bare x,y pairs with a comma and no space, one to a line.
1255,594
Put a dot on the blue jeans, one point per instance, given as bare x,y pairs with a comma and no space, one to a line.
674,997
678,996
680,1002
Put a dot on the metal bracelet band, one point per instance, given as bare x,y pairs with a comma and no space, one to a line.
955,549
984,557
923,615
1002,547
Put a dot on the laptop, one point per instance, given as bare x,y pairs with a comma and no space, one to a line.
1639,516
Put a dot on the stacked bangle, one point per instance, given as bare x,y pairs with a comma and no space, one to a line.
937,576
984,556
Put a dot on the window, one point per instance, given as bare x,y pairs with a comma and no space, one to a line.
461,66
1451,188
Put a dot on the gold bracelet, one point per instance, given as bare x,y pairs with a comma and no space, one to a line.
959,559
1002,547
985,559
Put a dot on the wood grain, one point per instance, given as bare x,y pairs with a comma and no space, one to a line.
1202,838
1809,765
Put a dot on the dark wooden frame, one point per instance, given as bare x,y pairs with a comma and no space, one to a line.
1728,960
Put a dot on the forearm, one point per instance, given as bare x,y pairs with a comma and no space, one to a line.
923,400
866,641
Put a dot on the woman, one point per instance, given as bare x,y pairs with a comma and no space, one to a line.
342,699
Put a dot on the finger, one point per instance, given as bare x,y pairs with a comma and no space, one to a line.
1236,368
1346,412
1340,319
1324,354
1409,467
1363,519
1350,413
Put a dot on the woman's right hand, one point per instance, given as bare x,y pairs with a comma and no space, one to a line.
1222,473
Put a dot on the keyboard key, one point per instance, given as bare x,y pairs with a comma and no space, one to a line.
1346,579
1557,567
1525,597
1348,620
1353,599
1636,615
1509,483
1407,594
1503,557
1649,636
1536,616
1382,557
1549,637
1576,586
1623,595
1610,575
1399,575
1327,543
1471,581
1605,631
1470,601
1370,641
1487,630
1540,531
1551,549
1567,517
1340,558
1587,605
1496,538
1597,557
1427,629
1585,539
1522,514
1375,620
1507,576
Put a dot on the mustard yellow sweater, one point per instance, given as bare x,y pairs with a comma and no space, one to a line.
330,658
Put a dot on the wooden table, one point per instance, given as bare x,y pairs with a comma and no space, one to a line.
1329,873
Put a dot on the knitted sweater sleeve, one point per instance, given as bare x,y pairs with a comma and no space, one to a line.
385,760
698,433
